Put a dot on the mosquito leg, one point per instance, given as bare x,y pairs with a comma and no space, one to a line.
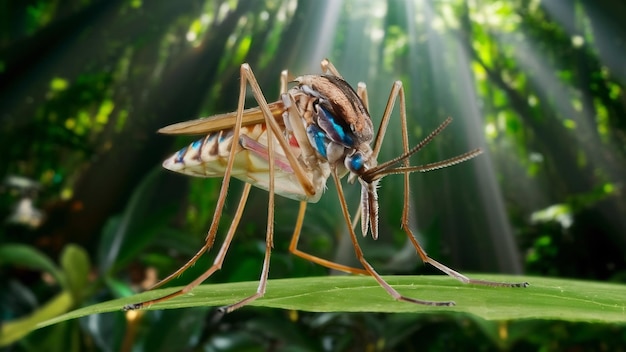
294,118
443,268
217,263
397,91
293,248
359,253
361,91
269,233
207,245
384,122
248,76
212,233
327,66
284,81
269,243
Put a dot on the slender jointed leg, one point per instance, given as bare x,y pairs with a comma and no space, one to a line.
217,264
269,232
212,233
397,92
368,267
293,248
327,66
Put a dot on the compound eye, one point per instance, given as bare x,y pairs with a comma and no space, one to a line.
355,163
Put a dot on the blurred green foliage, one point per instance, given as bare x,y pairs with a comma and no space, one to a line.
89,215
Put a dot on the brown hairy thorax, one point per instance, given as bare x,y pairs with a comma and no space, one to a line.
344,103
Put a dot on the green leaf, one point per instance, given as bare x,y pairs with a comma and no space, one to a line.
75,264
14,330
546,298
31,258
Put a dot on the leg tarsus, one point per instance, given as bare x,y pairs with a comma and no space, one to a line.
217,263
293,248
366,265
453,273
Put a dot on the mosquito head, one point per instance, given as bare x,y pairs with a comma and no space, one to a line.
358,162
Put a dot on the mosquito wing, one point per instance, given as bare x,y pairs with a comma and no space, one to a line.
220,122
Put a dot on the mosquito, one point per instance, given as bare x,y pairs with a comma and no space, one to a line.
319,128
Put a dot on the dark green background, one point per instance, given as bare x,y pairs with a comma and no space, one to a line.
84,85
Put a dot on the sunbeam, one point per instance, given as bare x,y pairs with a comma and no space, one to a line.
515,108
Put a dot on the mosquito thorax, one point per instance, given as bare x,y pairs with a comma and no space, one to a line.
339,99
337,124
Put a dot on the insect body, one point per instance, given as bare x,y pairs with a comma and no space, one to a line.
332,125
320,128
208,156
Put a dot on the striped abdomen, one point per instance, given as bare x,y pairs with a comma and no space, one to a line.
207,157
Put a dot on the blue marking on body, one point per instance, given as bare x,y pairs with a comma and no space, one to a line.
225,134
197,144
318,139
180,155
336,132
